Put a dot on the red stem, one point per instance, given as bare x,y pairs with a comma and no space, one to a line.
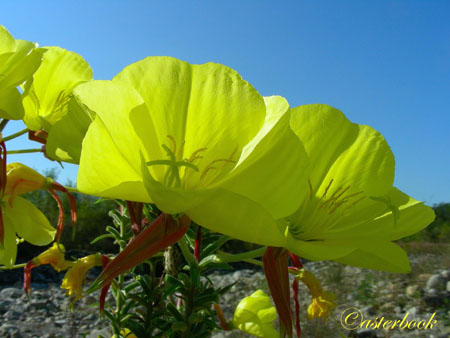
276,270
198,244
297,307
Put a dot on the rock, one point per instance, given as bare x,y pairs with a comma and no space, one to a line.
5,305
412,291
424,277
12,315
102,333
434,300
366,333
413,311
60,322
11,293
436,282
445,274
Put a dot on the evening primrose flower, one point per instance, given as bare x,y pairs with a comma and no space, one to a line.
48,103
75,276
195,140
322,301
350,211
19,59
255,315
18,216
53,256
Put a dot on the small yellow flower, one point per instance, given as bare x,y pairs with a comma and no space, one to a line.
322,301
55,257
125,333
74,278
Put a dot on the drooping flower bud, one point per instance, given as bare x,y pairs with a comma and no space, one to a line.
322,301
255,315
75,276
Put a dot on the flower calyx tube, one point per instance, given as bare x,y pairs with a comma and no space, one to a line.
164,231
275,262
53,187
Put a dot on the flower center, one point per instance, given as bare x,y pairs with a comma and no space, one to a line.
319,214
178,174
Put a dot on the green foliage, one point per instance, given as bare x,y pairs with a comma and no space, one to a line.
92,218
438,230
176,302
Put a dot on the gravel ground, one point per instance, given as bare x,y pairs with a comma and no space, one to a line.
421,294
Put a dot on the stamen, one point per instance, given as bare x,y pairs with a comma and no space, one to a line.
61,101
174,144
326,189
338,204
195,155
181,150
338,196
35,99
332,198
354,203
310,189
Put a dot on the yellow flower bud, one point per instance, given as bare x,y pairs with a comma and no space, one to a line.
22,179
74,278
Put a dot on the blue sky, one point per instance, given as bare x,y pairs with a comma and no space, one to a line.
383,63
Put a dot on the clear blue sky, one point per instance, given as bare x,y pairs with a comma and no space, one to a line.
383,63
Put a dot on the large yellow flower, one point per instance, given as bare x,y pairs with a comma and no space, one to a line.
195,140
19,59
350,211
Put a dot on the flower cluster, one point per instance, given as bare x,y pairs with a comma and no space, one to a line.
203,146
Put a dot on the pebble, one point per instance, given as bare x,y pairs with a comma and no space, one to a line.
436,281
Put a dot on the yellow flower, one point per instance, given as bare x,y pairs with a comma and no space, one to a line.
74,278
19,217
322,301
53,256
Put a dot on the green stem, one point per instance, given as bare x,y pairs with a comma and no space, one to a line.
72,189
188,256
12,136
24,151
3,124
225,257
17,266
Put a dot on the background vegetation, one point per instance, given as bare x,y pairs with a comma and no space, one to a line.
93,217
